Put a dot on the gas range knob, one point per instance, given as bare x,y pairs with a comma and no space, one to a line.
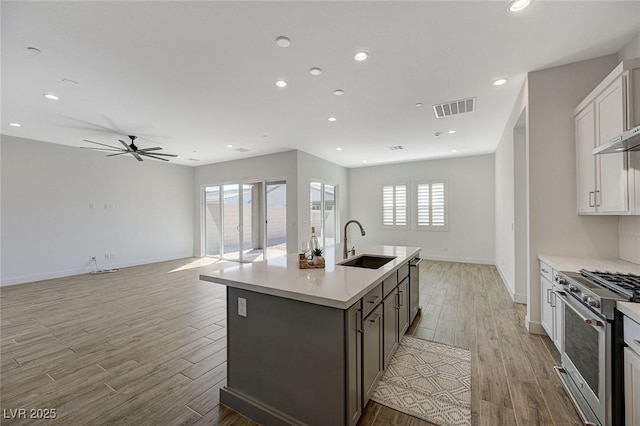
592,302
561,280
573,288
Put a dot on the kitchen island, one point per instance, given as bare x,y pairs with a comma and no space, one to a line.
307,346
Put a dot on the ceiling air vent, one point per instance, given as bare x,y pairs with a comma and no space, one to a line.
396,148
242,149
456,107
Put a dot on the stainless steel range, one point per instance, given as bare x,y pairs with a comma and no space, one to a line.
589,349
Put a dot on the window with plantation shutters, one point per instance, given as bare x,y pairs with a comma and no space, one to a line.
394,206
431,203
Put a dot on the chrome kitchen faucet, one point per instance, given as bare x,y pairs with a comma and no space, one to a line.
344,248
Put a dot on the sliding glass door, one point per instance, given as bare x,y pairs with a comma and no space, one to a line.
236,224
276,219
324,213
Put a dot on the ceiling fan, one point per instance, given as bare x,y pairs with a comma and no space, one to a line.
132,149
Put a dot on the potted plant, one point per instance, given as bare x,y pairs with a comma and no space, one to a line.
317,255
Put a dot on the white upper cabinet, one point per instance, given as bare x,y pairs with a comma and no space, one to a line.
585,142
606,182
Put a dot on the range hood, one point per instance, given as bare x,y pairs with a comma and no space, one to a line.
627,141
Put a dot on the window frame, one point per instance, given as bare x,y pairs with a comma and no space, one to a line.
432,227
395,225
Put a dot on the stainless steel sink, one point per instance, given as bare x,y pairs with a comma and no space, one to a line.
368,261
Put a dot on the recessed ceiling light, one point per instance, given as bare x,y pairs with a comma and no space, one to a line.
315,71
519,5
228,146
364,161
451,132
361,56
281,83
51,97
338,149
338,92
15,124
332,119
454,150
419,104
283,41
499,82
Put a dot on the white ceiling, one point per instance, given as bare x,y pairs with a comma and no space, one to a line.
193,77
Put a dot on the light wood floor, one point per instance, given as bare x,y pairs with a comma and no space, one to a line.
146,345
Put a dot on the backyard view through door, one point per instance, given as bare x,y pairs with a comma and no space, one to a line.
246,222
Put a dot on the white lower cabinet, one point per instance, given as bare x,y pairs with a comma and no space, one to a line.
547,308
631,372
631,388
551,314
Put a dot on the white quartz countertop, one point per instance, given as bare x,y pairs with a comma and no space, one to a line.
630,309
574,264
335,286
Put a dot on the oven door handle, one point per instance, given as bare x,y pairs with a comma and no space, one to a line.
594,322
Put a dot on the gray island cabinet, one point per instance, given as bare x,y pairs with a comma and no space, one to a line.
308,346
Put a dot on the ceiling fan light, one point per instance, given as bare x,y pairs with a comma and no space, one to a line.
519,5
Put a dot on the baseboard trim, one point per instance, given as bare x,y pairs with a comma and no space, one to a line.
516,297
25,279
458,259
253,409
534,327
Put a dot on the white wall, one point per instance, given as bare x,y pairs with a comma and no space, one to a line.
471,188
631,49
555,227
312,168
505,191
266,167
49,230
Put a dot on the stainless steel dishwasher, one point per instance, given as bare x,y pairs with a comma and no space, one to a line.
414,288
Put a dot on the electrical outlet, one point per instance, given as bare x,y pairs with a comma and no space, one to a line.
106,255
92,258
91,206
111,255
242,307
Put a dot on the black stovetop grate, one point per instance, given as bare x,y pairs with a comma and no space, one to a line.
626,284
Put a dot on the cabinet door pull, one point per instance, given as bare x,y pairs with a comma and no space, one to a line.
375,318
400,297
596,197
591,203
373,300
545,271
548,296
358,321
552,299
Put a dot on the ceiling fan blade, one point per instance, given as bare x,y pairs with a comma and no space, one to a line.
101,149
158,153
135,154
154,156
120,153
103,144
126,146
155,148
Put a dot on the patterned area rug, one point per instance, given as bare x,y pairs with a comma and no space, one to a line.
428,380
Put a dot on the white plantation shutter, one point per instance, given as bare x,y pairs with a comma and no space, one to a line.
401,205
424,206
431,203
394,205
387,206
